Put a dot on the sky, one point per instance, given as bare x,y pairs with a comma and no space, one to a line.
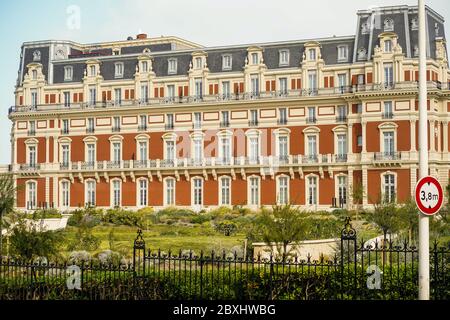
209,23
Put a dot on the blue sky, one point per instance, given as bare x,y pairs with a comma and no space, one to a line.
209,23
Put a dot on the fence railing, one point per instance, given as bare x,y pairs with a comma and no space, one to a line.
358,270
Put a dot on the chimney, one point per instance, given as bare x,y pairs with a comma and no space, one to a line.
141,36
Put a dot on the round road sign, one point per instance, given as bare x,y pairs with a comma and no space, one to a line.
429,195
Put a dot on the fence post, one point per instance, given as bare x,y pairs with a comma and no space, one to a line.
201,274
138,258
435,285
348,234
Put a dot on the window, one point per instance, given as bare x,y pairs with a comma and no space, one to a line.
142,122
254,191
225,119
34,98
389,187
361,79
341,146
311,115
197,191
226,89
312,54
342,53
359,108
225,191
225,149
282,116
92,71
117,96
116,186
283,86
65,154
68,73
32,156
254,80
253,117
387,113
90,193
31,195
65,126
198,149
172,66
144,66
169,123
342,190
312,80
197,120
227,62
342,113
170,150
32,130
64,194
90,153
342,79
92,96
387,46
142,192
388,143
34,74
254,149
116,124
198,63
118,70
388,24
144,93
171,92
312,190
198,88
169,193
283,58
388,75
255,58
90,125
143,150
116,152
66,99
283,190
312,146
283,152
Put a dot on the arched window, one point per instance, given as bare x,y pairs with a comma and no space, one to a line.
142,192
225,191
169,191
31,195
116,193
64,194
90,190
282,189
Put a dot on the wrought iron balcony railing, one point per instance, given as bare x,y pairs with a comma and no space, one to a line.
385,156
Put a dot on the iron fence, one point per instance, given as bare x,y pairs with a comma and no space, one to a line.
358,270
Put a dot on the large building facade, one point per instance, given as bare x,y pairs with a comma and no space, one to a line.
164,121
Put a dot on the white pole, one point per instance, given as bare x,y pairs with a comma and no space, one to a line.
424,255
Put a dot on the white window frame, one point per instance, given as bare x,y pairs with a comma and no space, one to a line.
139,202
172,66
343,53
312,131
193,192
383,186
112,202
283,57
225,134
338,131
253,134
388,127
307,187
249,191
27,194
142,138
172,137
312,54
118,70
68,73
221,198
165,198
87,182
90,140
112,140
278,186
225,66
283,132
32,143
62,196
337,186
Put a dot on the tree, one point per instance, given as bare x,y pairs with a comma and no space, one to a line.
84,238
280,227
7,197
28,240
385,216
357,191
409,215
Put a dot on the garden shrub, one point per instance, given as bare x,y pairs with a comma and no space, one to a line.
45,214
226,227
124,217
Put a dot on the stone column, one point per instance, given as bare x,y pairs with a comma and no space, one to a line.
350,183
413,135
432,137
364,185
350,138
445,138
364,144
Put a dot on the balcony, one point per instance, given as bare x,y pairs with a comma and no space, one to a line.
387,115
387,156
311,158
311,120
65,131
30,166
116,129
32,132
253,123
196,126
340,158
90,130
341,119
224,124
142,127
282,122
169,126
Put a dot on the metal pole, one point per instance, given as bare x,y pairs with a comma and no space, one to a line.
424,237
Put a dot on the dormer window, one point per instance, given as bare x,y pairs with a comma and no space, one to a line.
68,73
116,52
387,46
284,57
226,62
198,63
255,59
92,71
118,70
144,66
362,53
343,53
34,74
388,25
312,54
172,66
365,28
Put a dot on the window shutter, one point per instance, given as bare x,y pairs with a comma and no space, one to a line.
216,88
132,94
53,98
299,83
236,87
211,88
416,75
428,75
20,100
369,77
46,99
104,96
325,82
354,79
407,75
267,85
127,94
156,93
108,96
273,85
241,87
80,97
186,91
180,91
161,92
75,97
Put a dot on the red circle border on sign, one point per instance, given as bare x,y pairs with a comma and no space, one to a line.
423,209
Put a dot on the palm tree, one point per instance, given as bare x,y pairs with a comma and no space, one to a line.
7,197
